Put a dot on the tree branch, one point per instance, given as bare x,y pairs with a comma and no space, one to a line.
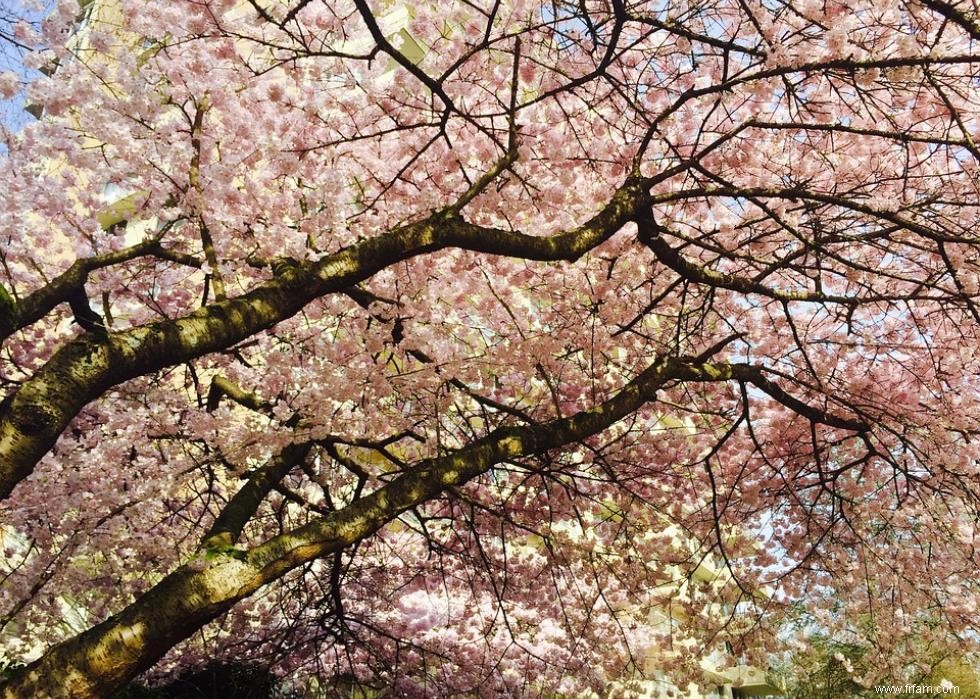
228,526
650,235
35,415
194,594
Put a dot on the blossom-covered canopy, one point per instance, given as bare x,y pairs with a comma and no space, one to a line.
438,346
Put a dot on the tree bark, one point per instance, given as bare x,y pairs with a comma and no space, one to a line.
33,418
105,658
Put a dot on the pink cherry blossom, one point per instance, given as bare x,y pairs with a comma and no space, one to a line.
488,348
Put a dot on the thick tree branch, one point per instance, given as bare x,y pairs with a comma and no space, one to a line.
967,23
33,418
70,282
220,386
104,658
228,526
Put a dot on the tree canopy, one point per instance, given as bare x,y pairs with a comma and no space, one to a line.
433,346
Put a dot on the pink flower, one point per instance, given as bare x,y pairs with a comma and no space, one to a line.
9,85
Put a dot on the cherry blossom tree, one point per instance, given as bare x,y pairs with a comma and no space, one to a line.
15,19
432,348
